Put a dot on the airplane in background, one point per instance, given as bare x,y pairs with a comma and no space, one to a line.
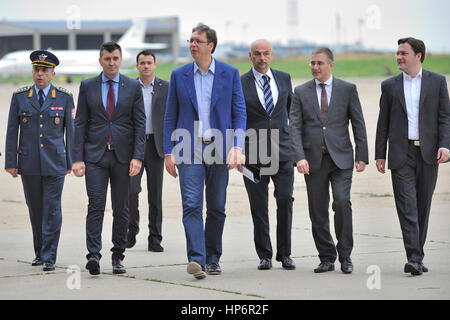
82,62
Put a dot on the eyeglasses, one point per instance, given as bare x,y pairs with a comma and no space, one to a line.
318,63
196,41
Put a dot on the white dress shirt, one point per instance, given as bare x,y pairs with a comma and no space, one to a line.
259,82
411,88
328,89
147,93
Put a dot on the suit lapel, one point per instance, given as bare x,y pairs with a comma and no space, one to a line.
34,99
48,99
400,92
254,92
190,86
334,92
314,98
98,89
217,86
119,103
423,87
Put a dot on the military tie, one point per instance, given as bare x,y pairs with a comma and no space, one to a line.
268,95
323,102
110,102
41,98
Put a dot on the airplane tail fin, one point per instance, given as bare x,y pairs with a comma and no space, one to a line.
135,35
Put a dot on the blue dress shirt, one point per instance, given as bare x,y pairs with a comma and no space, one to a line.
203,89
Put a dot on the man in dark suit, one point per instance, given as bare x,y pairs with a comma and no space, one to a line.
40,117
319,120
205,117
415,118
109,146
268,94
154,91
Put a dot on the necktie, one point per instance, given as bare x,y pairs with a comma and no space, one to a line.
41,98
268,95
323,102
110,102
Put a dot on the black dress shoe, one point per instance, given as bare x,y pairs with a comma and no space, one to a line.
287,263
93,265
155,248
131,240
213,268
265,264
118,267
47,266
414,268
37,262
347,266
324,267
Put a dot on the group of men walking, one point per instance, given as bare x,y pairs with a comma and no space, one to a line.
124,126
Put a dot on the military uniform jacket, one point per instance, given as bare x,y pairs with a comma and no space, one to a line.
39,139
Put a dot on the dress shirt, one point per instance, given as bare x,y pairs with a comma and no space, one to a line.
411,88
105,88
259,81
44,91
328,88
147,93
203,89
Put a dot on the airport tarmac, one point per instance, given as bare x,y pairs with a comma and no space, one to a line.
378,254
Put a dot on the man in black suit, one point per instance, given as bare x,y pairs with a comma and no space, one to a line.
319,120
109,146
415,118
268,94
154,91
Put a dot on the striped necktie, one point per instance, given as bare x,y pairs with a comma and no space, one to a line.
323,102
268,95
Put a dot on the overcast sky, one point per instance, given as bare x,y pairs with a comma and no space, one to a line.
379,23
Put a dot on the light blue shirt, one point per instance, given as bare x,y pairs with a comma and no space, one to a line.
203,89
147,93
105,88
45,91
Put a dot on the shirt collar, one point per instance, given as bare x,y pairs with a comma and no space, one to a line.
408,77
212,67
329,82
106,79
45,90
152,84
258,75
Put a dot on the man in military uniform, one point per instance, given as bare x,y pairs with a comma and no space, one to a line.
40,120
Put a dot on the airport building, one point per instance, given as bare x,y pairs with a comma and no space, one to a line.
72,35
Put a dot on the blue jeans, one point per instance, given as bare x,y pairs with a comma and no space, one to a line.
204,245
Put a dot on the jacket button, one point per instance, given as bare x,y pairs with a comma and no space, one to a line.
41,125
42,145
41,135
41,116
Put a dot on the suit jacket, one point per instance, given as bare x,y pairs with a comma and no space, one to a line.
308,131
40,132
257,117
92,124
159,99
434,119
227,107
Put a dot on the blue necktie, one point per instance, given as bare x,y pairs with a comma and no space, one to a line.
268,95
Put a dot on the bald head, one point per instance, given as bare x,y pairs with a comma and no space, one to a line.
261,54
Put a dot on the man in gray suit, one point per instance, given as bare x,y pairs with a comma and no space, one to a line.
415,118
322,150
154,91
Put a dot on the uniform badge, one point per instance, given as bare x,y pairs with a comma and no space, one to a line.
57,120
42,57
24,120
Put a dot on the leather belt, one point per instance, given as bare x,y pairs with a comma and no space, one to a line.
109,147
415,143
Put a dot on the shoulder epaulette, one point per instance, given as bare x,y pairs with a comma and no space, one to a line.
24,89
61,89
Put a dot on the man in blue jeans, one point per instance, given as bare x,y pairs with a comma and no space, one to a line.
206,107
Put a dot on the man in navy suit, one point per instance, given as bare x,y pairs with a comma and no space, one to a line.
40,117
205,115
109,146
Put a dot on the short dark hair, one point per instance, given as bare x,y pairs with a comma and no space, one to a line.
211,34
325,50
146,52
417,45
110,47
